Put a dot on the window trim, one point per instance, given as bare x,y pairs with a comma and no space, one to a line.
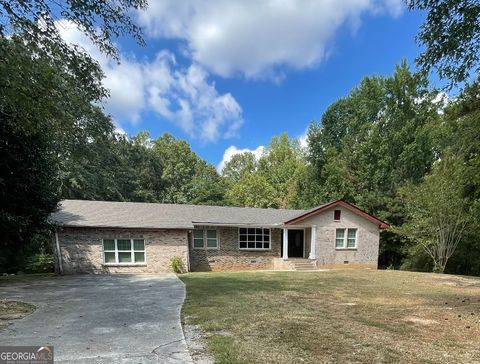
204,230
132,252
256,249
345,239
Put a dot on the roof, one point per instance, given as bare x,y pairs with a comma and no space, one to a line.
84,213
142,215
322,208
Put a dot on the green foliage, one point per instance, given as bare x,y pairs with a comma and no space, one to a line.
437,212
273,180
51,128
100,21
279,165
376,139
238,165
176,264
48,114
40,263
461,136
252,190
451,37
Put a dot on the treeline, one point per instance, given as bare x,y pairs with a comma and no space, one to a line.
393,146
382,147
397,149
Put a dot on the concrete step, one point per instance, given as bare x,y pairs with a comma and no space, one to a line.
303,264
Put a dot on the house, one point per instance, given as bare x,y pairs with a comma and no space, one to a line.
130,237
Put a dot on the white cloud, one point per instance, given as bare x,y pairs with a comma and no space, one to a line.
183,96
232,150
303,139
258,38
187,98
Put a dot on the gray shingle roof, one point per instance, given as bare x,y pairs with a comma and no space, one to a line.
84,213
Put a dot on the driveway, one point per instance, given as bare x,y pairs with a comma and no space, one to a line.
102,319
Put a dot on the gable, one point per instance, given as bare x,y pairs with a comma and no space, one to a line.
331,207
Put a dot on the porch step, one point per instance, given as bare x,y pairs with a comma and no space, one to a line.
303,264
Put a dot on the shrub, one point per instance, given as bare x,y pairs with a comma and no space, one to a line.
40,263
176,264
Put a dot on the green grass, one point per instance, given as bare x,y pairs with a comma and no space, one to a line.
336,316
25,277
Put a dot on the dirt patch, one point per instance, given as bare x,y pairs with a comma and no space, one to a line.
13,310
420,321
458,281
195,343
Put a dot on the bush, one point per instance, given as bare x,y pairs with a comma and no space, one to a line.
40,263
176,264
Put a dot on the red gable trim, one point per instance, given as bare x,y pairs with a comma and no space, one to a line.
355,209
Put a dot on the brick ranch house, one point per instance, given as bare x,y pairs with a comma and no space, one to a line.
128,237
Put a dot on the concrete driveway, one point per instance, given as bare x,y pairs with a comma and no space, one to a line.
102,319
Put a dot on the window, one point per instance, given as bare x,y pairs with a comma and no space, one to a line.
254,238
352,238
212,242
346,239
202,235
340,238
337,214
198,241
123,251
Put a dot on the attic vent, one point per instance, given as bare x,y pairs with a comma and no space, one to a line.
337,214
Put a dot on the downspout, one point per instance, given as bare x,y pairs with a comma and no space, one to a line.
59,253
188,251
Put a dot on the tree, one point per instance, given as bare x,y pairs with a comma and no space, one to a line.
372,142
49,93
437,212
461,134
36,21
238,165
179,167
46,114
206,186
384,140
451,38
253,190
279,164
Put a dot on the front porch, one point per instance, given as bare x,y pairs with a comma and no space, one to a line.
299,241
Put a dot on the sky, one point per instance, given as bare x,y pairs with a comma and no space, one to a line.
227,75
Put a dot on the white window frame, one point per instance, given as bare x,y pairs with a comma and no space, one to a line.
132,252
205,230
345,239
263,242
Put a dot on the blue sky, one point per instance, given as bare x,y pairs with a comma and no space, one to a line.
228,75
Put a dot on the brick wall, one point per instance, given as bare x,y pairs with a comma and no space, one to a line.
82,249
230,257
366,253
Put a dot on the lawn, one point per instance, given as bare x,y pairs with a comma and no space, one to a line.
335,316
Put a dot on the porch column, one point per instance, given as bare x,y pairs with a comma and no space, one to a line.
313,243
285,244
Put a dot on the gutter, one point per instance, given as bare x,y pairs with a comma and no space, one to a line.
59,253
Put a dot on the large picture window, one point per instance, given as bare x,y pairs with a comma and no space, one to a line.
254,238
205,238
124,251
346,239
